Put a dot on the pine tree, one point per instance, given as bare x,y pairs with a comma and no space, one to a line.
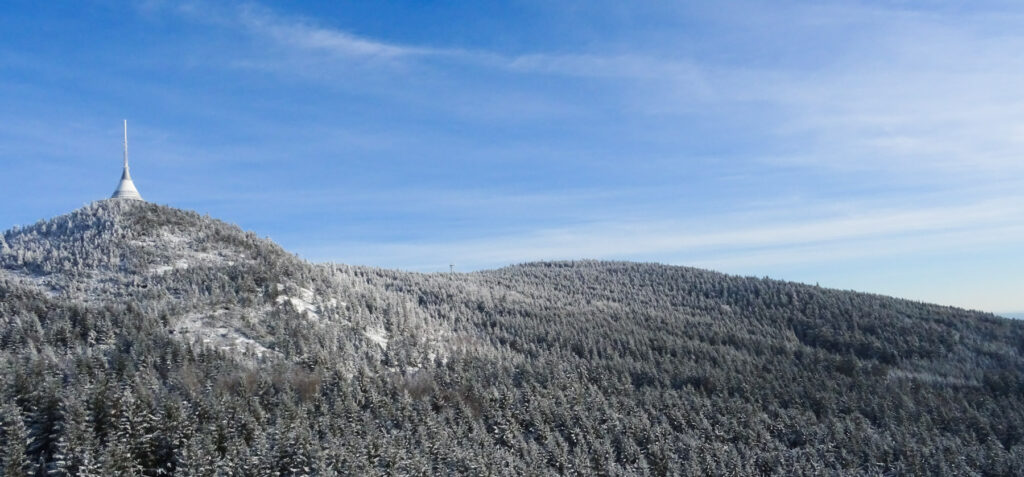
197,457
16,439
46,426
77,452
119,457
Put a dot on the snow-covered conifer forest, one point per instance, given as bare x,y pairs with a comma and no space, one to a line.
137,339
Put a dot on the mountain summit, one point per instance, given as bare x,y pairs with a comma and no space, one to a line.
143,339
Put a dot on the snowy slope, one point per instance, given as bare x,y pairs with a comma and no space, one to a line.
151,339
220,287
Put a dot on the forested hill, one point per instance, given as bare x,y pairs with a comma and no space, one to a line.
141,339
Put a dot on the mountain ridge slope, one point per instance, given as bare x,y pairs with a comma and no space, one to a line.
248,357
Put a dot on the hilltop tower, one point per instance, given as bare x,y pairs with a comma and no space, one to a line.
126,189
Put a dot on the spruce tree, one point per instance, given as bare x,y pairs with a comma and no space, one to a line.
16,438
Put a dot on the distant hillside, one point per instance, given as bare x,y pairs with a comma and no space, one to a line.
142,339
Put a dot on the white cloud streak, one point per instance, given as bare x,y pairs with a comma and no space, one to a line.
934,96
304,35
823,240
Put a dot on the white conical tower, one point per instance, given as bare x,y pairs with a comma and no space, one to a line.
126,189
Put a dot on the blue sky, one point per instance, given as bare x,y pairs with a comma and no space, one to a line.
874,146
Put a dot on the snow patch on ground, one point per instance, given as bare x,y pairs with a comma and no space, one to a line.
169,237
307,302
300,305
932,378
209,332
378,336
38,282
183,255
162,269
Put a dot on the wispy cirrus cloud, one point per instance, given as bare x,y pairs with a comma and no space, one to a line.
933,95
302,34
916,93
931,237
746,240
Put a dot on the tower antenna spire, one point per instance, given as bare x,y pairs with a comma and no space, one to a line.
126,188
126,144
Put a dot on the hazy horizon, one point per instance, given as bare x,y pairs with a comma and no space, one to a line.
858,145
